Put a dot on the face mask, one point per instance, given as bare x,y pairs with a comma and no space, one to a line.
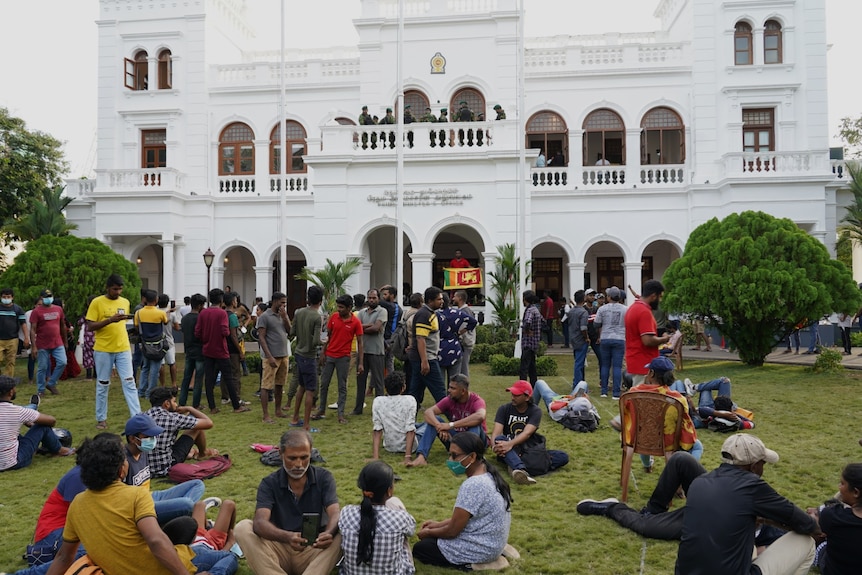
47,300
148,444
456,467
296,472
6,300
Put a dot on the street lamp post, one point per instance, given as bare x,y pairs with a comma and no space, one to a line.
209,256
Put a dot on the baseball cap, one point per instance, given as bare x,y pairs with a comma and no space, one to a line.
742,449
521,387
660,363
46,293
142,423
589,291
614,293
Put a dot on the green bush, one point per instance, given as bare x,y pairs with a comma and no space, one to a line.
546,366
506,348
856,339
252,360
543,349
829,361
503,365
484,334
481,352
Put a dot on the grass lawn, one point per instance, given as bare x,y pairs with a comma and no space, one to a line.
801,415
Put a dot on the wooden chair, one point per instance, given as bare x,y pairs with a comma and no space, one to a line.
643,414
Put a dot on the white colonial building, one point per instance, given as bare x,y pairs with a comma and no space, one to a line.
721,110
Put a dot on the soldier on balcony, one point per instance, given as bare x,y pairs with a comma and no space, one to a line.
465,114
501,113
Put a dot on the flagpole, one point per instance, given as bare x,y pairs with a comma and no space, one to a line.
522,192
399,155
282,172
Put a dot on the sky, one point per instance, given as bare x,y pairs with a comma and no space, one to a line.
48,68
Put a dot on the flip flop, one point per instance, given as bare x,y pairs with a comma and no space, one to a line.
102,425
242,409
318,416
270,421
313,430
70,451
296,424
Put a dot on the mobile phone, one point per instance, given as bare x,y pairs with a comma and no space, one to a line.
173,303
310,527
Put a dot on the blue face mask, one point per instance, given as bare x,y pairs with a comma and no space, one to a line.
456,467
47,300
148,444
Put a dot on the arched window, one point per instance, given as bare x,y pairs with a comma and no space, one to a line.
604,138
475,104
772,49
662,137
742,51
136,71
165,70
548,132
236,150
296,147
417,102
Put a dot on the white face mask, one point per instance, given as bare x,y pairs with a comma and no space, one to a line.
296,472
6,300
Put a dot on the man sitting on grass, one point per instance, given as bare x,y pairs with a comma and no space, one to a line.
16,450
170,449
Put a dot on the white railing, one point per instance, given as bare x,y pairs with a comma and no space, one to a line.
236,184
145,180
76,188
297,183
839,168
419,137
662,175
766,164
549,178
605,177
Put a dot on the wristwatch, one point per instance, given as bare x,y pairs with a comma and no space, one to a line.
451,424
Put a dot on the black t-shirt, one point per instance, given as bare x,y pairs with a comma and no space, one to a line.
11,316
513,421
192,345
274,494
844,533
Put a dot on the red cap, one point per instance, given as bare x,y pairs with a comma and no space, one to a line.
521,387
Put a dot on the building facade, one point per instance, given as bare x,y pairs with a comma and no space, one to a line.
644,137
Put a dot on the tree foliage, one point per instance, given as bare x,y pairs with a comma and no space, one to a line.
754,277
45,218
850,130
331,278
73,268
30,161
505,285
851,223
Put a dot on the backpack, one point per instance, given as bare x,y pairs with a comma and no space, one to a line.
582,420
204,469
535,456
84,566
399,341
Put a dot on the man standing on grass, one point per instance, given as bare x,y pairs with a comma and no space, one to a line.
342,326
48,335
11,318
642,339
273,326
467,336
373,318
579,338
531,334
394,314
193,351
427,373
306,328
106,317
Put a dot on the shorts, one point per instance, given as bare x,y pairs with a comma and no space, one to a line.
274,376
307,370
214,539
181,448
171,355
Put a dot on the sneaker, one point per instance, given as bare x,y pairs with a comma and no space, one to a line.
225,401
36,399
605,395
333,405
521,477
616,398
53,389
593,507
244,402
690,388
211,502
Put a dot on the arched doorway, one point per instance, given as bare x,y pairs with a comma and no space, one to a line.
295,288
604,267
463,238
549,270
604,138
379,250
150,270
238,273
547,131
657,257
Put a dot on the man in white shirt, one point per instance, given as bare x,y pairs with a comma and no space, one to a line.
394,417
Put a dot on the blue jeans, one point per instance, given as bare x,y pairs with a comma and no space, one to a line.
580,354
105,361
196,367
815,337
214,562
432,381
722,385
44,360
149,376
565,326
543,391
178,500
612,351
427,439
29,443
513,460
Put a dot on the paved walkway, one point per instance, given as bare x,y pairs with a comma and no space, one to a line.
778,356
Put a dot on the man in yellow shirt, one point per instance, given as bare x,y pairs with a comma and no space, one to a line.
106,317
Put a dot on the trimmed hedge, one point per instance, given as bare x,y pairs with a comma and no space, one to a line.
482,352
502,365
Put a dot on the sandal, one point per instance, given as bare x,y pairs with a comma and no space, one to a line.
318,416
102,425
242,409
270,421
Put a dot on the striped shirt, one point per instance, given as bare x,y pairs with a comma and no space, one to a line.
12,417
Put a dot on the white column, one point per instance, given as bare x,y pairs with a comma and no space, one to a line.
423,273
365,277
261,166
180,266
633,277
152,73
576,278
263,281
168,286
633,156
217,277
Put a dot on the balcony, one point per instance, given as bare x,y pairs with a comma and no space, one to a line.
453,138
607,177
268,185
779,164
134,181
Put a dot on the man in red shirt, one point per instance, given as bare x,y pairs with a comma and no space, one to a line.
48,333
335,356
459,261
212,329
642,343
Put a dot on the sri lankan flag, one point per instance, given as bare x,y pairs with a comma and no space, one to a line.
462,278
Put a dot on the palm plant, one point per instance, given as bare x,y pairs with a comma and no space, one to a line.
45,219
852,220
331,278
505,283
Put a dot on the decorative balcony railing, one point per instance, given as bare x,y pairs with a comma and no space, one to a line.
775,164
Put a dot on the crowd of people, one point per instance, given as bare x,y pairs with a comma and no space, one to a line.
104,512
